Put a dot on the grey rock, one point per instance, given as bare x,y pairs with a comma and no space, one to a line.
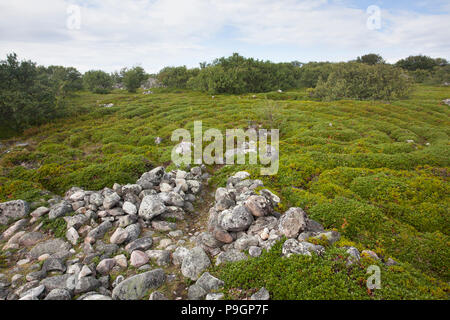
255,251
51,246
135,287
129,208
139,244
15,209
236,219
60,209
54,264
262,294
134,230
86,284
59,294
292,246
258,206
96,199
194,263
156,295
151,178
161,225
214,296
97,297
209,283
292,222
230,256
151,206
196,292
100,231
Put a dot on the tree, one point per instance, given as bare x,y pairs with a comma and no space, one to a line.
63,80
27,96
98,81
370,59
133,78
413,63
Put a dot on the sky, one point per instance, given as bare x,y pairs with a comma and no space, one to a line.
112,34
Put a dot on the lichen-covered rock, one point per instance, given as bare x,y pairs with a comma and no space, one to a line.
236,219
151,206
194,263
135,287
292,222
60,209
13,210
258,206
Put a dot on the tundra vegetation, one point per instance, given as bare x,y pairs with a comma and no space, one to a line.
364,150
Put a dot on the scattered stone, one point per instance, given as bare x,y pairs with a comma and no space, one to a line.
138,258
194,263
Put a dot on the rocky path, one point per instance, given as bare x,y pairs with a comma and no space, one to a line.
155,239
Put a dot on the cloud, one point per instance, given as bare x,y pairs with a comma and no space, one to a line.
117,33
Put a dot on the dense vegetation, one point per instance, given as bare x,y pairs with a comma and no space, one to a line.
377,172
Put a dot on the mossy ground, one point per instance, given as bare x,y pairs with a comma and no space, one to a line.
347,163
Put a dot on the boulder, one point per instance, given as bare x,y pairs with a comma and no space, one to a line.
236,219
135,287
292,222
13,210
194,263
151,206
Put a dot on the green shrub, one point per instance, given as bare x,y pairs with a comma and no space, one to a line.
361,81
97,81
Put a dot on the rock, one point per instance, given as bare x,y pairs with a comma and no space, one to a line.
292,222
330,236
162,257
99,232
97,297
171,199
17,226
60,209
313,226
151,178
258,206
13,210
194,263
230,256
391,262
446,101
292,246
209,283
214,296
119,236
262,294
161,225
196,292
111,200
51,247
129,208
254,251
138,258
121,261
86,284
178,255
65,281
139,244
151,206
135,287
134,230
76,221
209,240
236,219
370,254
54,264
96,199
131,188
105,266
34,293
58,294
84,272
246,241
222,235
164,243
224,200
39,212
274,199
157,296
354,255
72,236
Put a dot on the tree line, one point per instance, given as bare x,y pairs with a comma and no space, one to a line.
31,94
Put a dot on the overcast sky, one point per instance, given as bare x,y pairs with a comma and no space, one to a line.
111,34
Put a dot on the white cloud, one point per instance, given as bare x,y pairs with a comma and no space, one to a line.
157,33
